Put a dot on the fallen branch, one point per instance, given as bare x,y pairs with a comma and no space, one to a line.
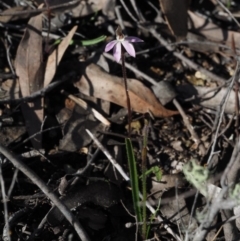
46,190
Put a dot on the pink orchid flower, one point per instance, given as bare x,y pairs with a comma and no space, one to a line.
126,42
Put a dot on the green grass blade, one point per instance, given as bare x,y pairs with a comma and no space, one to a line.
93,41
133,179
84,42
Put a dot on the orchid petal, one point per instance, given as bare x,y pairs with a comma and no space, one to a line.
117,51
133,39
129,48
110,45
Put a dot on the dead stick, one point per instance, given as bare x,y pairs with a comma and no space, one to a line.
190,128
46,190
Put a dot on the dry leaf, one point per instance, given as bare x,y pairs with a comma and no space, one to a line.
15,10
167,182
28,65
10,89
212,97
177,145
164,91
74,135
96,82
56,56
176,15
212,32
29,57
176,210
85,106
85,8
10,134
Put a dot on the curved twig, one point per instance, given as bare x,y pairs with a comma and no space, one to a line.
46,190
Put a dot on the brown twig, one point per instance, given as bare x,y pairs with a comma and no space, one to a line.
46,190
4,200
42,92
219,115
126,92
85,105
194,135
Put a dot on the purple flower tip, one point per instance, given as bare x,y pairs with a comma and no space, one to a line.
126,42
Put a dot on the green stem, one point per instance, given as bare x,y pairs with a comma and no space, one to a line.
131,158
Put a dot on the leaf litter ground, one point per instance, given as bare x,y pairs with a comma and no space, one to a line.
179,88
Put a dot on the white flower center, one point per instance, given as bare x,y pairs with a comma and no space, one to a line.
120,38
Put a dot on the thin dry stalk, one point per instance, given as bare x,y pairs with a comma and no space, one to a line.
6,235
194,135
219,117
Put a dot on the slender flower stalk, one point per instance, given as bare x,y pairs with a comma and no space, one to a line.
127,93
144,178
119,46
